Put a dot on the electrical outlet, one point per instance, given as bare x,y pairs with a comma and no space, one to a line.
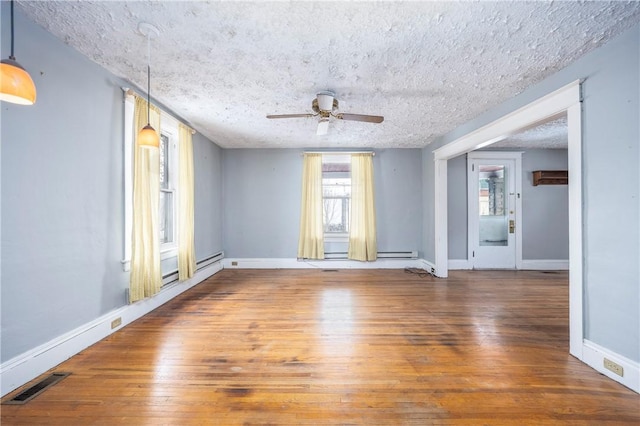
234,263
433,270
612,366
116,322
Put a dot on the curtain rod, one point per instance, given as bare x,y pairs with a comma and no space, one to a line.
129,91
339,152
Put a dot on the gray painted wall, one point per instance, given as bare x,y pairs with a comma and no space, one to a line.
457,223
262,201
545,208
62,194
428,251
261,198
398,193
207,164
611,182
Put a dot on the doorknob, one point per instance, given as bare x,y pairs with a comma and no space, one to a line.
512,226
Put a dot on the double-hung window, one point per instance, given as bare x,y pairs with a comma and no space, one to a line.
167,217
336,196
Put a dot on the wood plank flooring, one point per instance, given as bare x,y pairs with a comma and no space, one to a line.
349,347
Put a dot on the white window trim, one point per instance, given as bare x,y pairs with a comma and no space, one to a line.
129,107
169,127
336,237
339,157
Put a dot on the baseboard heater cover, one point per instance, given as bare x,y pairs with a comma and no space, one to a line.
337,255
172,276
201,264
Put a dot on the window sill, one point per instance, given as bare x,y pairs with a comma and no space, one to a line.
168,253
336,237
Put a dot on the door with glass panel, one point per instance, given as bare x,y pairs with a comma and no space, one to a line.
493,210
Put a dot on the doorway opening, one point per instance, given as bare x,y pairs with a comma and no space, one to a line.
565,100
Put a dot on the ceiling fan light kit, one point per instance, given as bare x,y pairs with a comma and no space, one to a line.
323,127
325,106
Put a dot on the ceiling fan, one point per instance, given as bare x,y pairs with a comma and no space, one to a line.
325,106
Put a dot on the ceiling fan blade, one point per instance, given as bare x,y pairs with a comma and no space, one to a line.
360,117
290,116
323,127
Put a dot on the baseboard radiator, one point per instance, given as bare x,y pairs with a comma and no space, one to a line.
342,255
172,277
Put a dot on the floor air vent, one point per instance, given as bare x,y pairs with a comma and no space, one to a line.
37,389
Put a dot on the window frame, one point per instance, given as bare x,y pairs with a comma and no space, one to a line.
336,237
169,128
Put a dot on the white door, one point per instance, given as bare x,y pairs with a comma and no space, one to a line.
494,201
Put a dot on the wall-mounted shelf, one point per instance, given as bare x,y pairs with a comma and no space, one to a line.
550,177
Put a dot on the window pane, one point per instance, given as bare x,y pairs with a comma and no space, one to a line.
336,214
336,192
166,217
336,187
336,203
164,162
493,217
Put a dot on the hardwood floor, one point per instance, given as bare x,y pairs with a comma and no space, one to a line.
366,347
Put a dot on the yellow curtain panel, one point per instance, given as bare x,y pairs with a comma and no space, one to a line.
311,239
186,245
362,232
146,275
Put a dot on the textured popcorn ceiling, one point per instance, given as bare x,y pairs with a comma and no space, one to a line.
427,67
552,134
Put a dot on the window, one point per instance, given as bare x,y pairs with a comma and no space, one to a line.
168,197
336,194
168,186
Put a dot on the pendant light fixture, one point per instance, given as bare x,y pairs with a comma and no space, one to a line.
16,85
148,135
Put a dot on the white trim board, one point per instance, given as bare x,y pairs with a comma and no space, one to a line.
25,367
293,263
545,265
527,265
564,100
594,356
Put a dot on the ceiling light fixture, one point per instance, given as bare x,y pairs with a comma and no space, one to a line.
16,85
148,135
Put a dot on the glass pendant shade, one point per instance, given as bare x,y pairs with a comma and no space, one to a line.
16,85
148,137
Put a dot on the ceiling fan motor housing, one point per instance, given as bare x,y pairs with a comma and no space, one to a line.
325,102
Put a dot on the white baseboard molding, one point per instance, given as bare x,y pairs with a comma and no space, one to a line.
527,264
594,355
25,367
459,264
427,266
545,264
291,263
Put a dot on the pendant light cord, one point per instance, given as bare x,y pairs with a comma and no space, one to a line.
149,78
13,58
